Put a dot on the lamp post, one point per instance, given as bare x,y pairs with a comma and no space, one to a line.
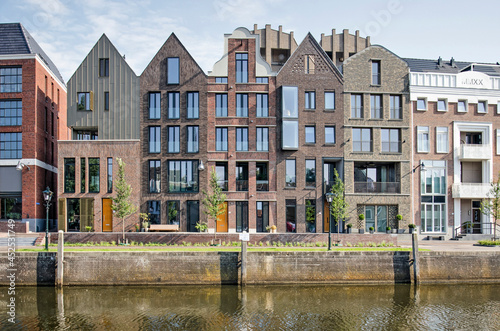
47,196
329,199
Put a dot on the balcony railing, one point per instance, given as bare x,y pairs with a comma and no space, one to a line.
262,185
377,187
471,190
475,151
222,184
241,185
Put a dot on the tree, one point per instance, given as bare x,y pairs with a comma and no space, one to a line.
338,206
121,204
214,201
491,207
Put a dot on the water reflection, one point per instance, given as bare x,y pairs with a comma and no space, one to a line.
399,307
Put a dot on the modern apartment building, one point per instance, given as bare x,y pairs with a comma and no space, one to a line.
32,120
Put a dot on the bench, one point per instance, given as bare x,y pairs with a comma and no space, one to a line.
164,227
435,237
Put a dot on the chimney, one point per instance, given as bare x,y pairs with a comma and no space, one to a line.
452,63
440,62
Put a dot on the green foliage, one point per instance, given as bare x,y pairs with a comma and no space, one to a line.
399,217
172,211
488,242
491,207
338,205
214,201
201,226
310,211
361,217
121,204
412,226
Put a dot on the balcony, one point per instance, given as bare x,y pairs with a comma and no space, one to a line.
470,190
262,185
242,185
377,187
473,152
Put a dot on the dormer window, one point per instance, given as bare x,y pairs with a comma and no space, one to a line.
376,80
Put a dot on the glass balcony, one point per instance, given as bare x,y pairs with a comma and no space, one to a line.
377,187
262,185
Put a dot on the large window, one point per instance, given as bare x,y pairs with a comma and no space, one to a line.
11,145
291,215
376,79
290,135
241,176
241,68
290,177
396,107
173,105
423,139
11,207
376,217
173,212
433,196
311,173
376,106
110,174
361,140
193,105
183,176
310,215
221,105
242,105
83,171
69,175
242,139
154,139
376,177
94,175
173,70
290,126
441,139
84,101
173,139
154,105
329,100
11,112
262,139
11,79
103,67
261,176
221,139
154,176
262,105
241,216
356,106
391,140
310,132
154,211
290,101
310,100
221,171
329,134
262,215
192,139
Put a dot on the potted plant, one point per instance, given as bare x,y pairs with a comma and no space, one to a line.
388,229
399,217
372,229
201,226
271,228
349,228
88,228
145,226
137,227
411,227
361,225
144,221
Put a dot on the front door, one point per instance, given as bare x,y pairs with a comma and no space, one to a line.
107,216
222,224
476,216
326,213
193,215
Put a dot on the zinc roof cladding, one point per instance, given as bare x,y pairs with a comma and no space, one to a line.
424,65
15,39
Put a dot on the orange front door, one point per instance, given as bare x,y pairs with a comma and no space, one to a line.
326,213
107,216
222,224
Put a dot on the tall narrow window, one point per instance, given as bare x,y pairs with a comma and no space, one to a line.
329,135
262,177
173,212
193,105
423,139
309,64
290,113
242,105
262,105
310,215
262,215
11,112
192,139
263,139
290,179
241,176
154,211
241,68
311,173
173,139
396,110
69,175
173,70
104,67
376,80
46,122
154,139
441,139
242,139
173,105
82,174
221,105
310,100
106,100
221,171
154,176
329,100
84,101
291,215
53,122
241,216
356,106
154,105
110,174
376,106
361,140
94,174
221,139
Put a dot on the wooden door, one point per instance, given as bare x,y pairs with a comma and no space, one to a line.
61,218
222,223
107,216
326,217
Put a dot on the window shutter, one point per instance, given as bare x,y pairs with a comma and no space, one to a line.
61,219
91,106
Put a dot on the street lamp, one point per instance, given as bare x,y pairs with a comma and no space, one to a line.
329,199
47,196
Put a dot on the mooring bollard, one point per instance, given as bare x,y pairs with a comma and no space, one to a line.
244,237
60,259
414,247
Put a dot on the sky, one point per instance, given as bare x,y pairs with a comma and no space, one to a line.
68,29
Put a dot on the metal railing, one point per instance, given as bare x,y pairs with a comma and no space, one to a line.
468,228
377,187
242,185
262,185
222,184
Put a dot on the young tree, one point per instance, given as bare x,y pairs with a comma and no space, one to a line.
491,207
338,206
214,201
121,204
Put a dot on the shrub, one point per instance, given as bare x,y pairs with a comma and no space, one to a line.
488,242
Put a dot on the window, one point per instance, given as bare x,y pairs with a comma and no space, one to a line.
183,176
376,106
53,126
11,145
173,70
309,64
173,139
311,173
242,139
441,139
421,104
86,135
46,122
85,101
173,212
377,217
482,107
241,68
376,80
462,106
442,105
262,216
11,207
391,140
221,105
11,112
69,175
154,139
290,135
310,215
291,215
310,134
154,211
110,174
290,128
173,105
263,139
498,141
396,107
423,139
310,100
329,135
11,79
103,67
262,105
361,140
222,80
261,176
193,214
154,176
221,171
193,105
241,216
329,100
83,163
221,139
262,80
241,176
192,139
498,107
356,106
290,179
242,105
290,101
154,105
94,173
433,196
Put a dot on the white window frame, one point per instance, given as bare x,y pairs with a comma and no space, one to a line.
425,103
440,132
498,141
466,106
498,107
423,130
445,105
485,102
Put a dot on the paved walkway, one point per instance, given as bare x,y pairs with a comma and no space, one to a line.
451,246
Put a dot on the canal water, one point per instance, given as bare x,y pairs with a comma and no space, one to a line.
399,307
